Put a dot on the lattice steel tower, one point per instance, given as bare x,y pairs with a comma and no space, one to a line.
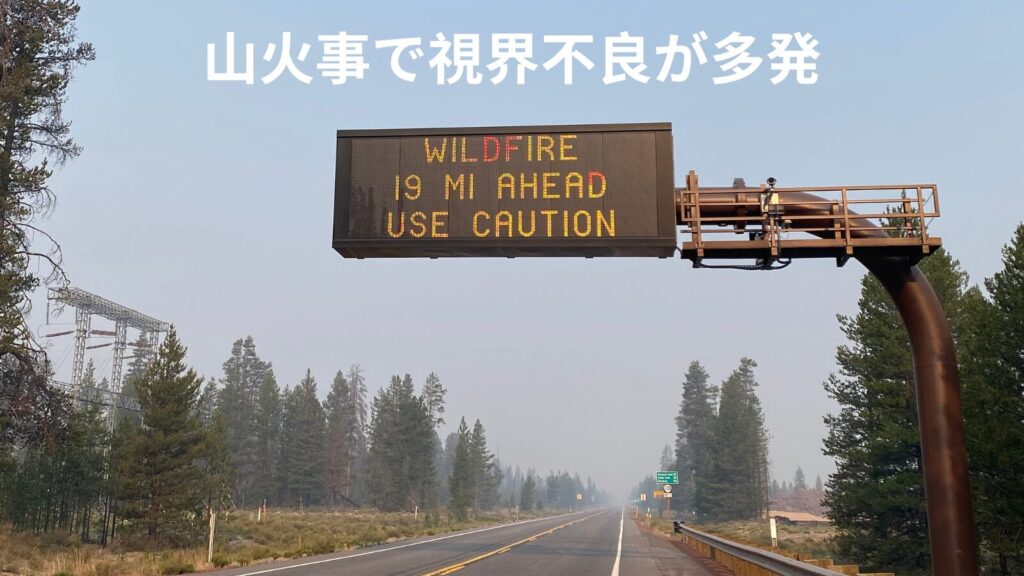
87,305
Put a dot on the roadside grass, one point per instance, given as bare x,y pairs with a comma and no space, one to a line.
240,541
812,541
809,541
53,554
659,525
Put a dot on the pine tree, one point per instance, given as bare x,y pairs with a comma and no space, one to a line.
695,426
284,455
358,441
357,386
461,481
420,449
526,496
206,407
58,486
143,353
875,497
440,472
799,480
668,459
339,436
551,491
84,463
123,430
305,431
401,452
386,458
142,356
244,373
161,479
993,393
737,483
818,485
482,466
216,465
433,395
513,481
268,441
492,495
40,53
451,443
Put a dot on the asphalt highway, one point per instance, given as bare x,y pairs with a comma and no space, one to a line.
589,543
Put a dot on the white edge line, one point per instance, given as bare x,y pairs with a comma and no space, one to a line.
400,546
618,553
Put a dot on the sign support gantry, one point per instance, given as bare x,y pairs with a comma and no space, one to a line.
609,190
87,305
885,228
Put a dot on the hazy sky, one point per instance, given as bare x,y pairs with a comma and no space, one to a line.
209,205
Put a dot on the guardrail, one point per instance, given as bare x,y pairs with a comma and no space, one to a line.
746,560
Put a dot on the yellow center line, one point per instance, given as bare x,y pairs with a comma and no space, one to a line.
503,549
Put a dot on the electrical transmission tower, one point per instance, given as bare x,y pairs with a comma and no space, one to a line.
87,305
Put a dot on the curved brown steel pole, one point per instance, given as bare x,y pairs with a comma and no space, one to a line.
939,414
937,384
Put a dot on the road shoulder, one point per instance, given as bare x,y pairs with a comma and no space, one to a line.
648,553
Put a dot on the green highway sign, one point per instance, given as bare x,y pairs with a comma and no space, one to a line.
668,477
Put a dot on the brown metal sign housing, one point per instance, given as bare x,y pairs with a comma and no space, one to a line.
584,190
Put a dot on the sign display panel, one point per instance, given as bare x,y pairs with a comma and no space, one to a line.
593,190
667,477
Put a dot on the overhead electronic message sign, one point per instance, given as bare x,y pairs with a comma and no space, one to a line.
594,190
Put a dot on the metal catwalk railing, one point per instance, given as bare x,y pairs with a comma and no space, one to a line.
777,223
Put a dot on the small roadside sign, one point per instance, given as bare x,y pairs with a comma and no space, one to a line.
659,493
667,488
